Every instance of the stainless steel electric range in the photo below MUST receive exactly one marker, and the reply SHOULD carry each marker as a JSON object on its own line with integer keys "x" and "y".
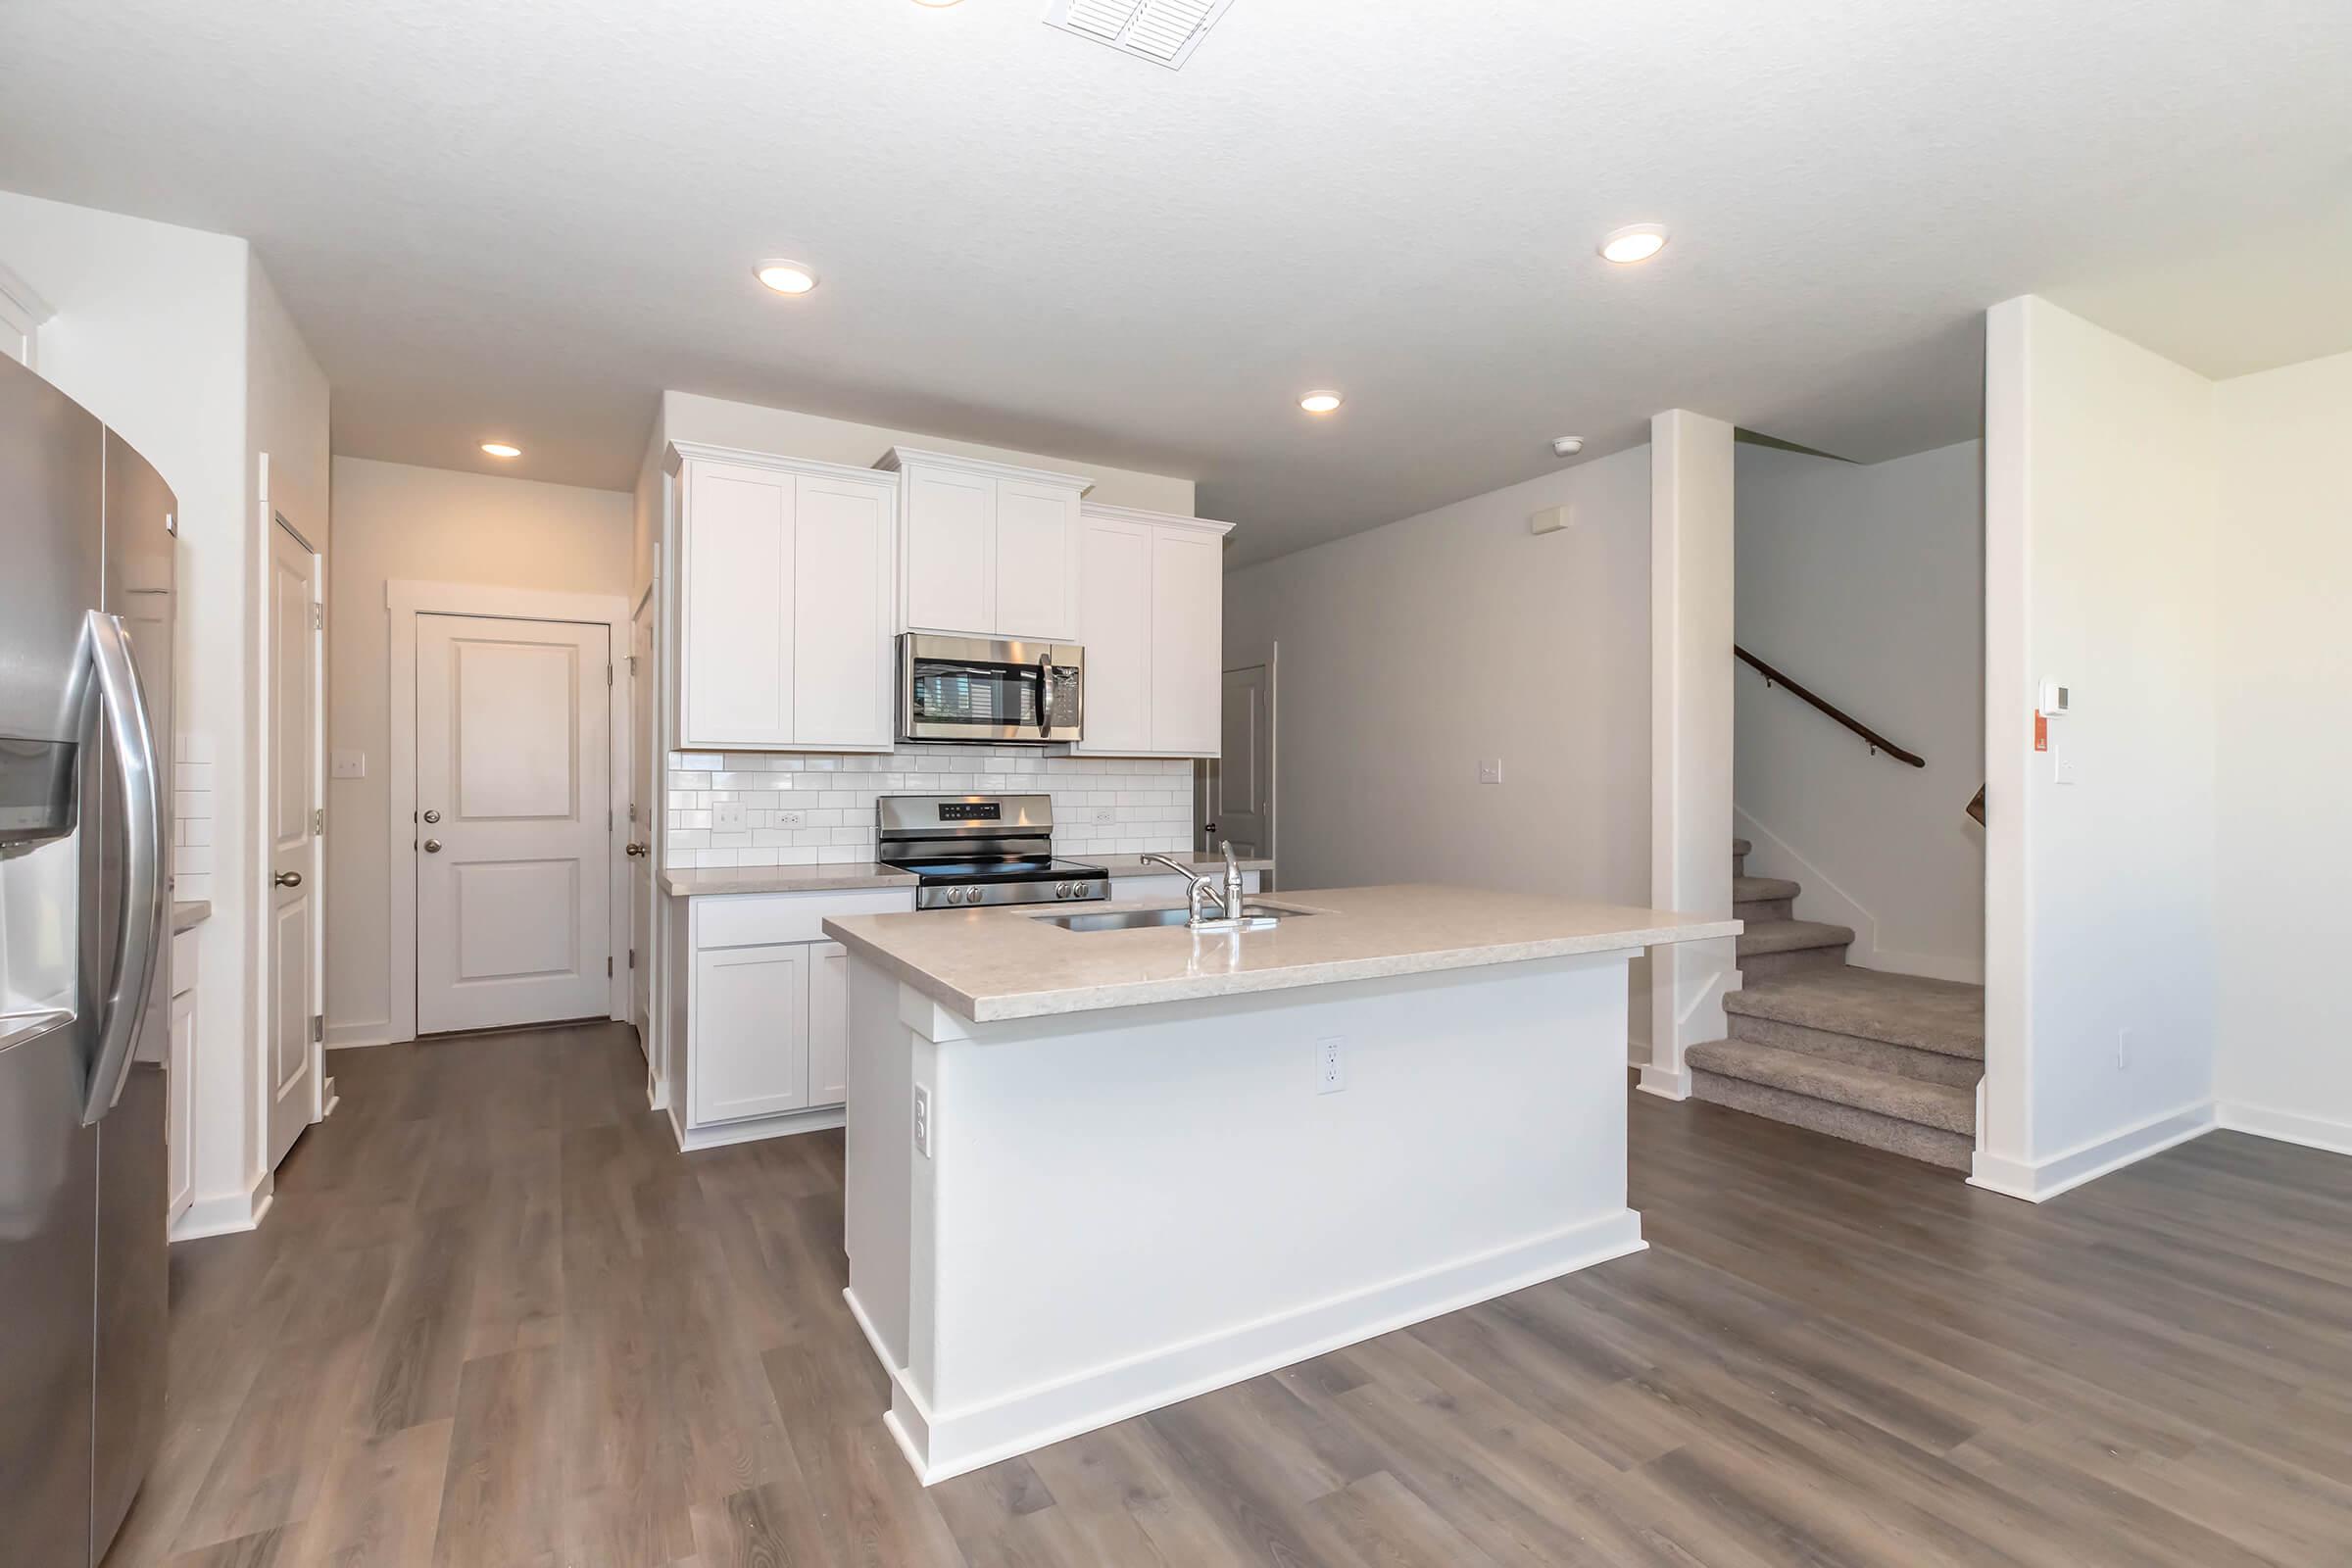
{"x": 980, "y": 849}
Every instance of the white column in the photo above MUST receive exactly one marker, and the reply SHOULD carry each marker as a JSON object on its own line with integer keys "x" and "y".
{"x": 1689, "y": 732}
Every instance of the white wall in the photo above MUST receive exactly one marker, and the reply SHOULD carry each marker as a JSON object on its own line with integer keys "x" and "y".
{"x": 689, "y": 416}
{"x": 2100, "y": 493}
{"x": 174, "y": 337}
{"x": 2283, "y": 570}
{"x": 1411, "y": 652}
{"x": 396, "y": 523}
{"x": 1866, "y": 583}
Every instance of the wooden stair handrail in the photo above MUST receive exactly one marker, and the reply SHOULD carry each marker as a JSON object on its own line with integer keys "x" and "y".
{"x": 1877, "y": 742}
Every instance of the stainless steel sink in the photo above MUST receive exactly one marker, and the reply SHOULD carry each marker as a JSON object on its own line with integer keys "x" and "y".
{"x": 1255, "y": 917}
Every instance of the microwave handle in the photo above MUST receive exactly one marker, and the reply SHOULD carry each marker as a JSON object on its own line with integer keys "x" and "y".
{"x": 1045, "y": 694}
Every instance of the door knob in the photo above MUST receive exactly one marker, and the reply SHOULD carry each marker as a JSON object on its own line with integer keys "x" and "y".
{"x": 432, "y": 846}
{"x": 288, "y": 879}
{"x": 636, "y": 849}
{"x": 432, "y": 816}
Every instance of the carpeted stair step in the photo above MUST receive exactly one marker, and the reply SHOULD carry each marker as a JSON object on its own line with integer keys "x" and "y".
{"x": 1741, "y": 850}
{"x": 1764, "y": 898}
{"x": 1771, "y": 949}
{"x": 1911, "y": 1139}
{"x": 1941, "y": 1016}
{"x": 1883, "y": 1094}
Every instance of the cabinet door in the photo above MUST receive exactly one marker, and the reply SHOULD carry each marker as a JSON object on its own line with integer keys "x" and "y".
{"x": 735, "y": 626}
{"x": 841, "y": 613}
{"x": 750, "y": 1051}
{"x": 1037, "y": 560}
{"x": 828, "y": 1024}
{"x": 179, "y": 1102}
{"x": 1187, "y": 641}
{"x": 1114, "y": 610}
{"x": 949, "y": 544}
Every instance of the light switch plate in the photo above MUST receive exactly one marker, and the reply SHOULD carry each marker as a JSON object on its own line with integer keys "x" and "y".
{"x": 1491, "y": 772}
{"x": 726, "y": 817}
{"x": 348, "y": 765}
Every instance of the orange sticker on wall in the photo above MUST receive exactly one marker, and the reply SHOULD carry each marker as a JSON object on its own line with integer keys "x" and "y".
{"x": 2041, "y": 732}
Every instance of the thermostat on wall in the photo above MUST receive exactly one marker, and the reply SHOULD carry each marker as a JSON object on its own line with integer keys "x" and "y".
{"x": 2053, "y": 700}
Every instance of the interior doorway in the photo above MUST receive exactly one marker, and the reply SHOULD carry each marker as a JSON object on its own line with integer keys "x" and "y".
{"x": 1234, "y": 794}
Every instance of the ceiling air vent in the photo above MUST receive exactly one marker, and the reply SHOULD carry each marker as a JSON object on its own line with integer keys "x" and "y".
{"x": 1163, "y": 31}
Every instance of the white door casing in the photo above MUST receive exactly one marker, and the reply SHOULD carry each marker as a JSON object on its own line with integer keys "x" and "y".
{"x": 291, "y": 898}
{"x": 513, "y": 797}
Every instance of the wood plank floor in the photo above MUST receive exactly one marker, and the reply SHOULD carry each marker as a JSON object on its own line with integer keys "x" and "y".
{"x": 497, "y": 1321}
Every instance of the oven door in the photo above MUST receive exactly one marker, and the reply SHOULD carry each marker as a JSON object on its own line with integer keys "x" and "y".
{"x": 974, "y": 689}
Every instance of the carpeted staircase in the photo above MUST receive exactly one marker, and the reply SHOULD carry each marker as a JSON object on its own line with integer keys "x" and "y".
{"x": 1890, "y": 1060}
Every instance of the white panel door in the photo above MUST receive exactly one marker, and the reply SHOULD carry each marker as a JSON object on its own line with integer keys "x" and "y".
{"x": 1115, "y": 627}
{"x": 750, "y": 1053}
{"x": 951, "y": 551}
{"x": 1037, "y": 561}
{"x": 735, "y": 632}
{"x": 1187, "y": 641}
{"x": 1240, "y": 782}
{"x": 828, "y": 1023}
{"x": 292, "y": 815}
{"x": 840, "y": 624}
{"x": 514, "y": 837}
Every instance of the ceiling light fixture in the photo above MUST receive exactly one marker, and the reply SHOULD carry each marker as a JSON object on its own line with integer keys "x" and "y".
{"x": 501, "y": 448}
{"x": 1636, "y": 243}
{"x": 786, "y": 276}
{"x": 1321, "y": 401}
{"x": 1567, "y": 446}
{"x": 938, "y": 5}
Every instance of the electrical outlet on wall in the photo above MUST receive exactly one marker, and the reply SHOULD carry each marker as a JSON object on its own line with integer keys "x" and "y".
{"x": 1331, "y": 1066}
{"x": 791, "y": 820}
{"x": 1103, "y": 816}
{"x": 1491, "y": 772}
{"x": 923, "y": 1121}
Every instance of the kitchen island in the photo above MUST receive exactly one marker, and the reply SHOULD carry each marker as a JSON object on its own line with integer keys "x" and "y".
{"x": 1090, "y": 1172}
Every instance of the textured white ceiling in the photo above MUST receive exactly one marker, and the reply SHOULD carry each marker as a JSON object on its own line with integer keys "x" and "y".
{"x": 527, "y": 218}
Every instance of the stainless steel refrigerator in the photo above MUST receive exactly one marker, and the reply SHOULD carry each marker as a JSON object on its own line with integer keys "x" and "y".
{"x": 86, "y": 537}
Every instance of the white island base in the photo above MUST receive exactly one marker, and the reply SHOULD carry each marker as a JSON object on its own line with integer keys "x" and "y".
{"x": 1126, "y": 1206}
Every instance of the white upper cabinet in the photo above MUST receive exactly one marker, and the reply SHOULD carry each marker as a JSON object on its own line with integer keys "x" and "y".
{"x": 987, "y": 549}
{"x": 783, "y": 595}
{"x": 1152, "y": 607}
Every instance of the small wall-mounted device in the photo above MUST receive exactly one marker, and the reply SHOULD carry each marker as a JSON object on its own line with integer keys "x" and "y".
{"x": 1567, "y": 446}
{"x": 1551, "y": 519}
{"x": 2052, "y": 701}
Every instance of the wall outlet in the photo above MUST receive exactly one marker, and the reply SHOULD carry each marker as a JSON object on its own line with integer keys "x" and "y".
{"x": 1491, "y": 772}
{"x": 923, "y": 1121}
{"x": 1103, "y": 816}
{"x": 788, "y": 818}
{"x": 1331, "y": 1066}
{"x": 2122, "y": 1050}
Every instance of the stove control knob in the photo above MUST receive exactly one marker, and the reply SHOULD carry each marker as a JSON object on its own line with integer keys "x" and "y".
{"x": 968, "y": 895}
{"x": 955, "y": 896}
{"x": 1061, "y": 890}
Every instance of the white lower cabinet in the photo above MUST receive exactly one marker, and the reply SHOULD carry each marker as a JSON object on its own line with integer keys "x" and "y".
{"x": 766, "y": 1011}
{"x": 751, "y": 1032}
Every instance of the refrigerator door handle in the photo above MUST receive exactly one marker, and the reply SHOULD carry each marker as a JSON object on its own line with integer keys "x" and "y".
{"x": 138, "y": 945}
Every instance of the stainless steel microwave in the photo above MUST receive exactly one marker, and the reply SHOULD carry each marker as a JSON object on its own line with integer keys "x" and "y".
{"x": 974, "y": 689}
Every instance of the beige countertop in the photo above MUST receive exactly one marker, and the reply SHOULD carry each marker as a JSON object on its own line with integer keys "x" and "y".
{"x": 690, "y": 882}
{"x": 188, "y": 913}
{"x": 1000, "y": 963}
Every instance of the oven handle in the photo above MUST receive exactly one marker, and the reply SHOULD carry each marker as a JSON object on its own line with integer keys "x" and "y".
{"x": 1045, "y": 694}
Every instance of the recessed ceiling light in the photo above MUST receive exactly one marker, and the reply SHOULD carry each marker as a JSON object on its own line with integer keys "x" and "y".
{"x": 1636, "y": 242}
{"x": 786, "y": 278}
{"x": 499, "y": 449}
{"x": 938, "y": 5}
{"x": 1321, "y": 401}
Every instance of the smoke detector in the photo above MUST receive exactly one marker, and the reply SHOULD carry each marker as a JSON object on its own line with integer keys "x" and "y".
{"x": 1163, "y": 31}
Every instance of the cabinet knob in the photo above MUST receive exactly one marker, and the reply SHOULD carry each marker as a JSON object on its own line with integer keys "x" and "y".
{"x": 288, "y": 879}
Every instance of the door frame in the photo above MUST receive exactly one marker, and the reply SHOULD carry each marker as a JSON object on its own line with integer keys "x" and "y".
{"x": 407, "y": 600}
{"x": 1268, "y": 653}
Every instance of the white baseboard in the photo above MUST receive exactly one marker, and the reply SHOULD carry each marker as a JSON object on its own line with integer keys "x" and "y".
{"x": 1663, "y": 1082}
{"x": 751, "y": 1132}
{"x": 226, "y": 1213}
{"x": 940, "y": 1444}
{"x": 350, "y": 1036}
{"x": 2287, "y": 1126}
{"x": 2038, "y": 1181}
